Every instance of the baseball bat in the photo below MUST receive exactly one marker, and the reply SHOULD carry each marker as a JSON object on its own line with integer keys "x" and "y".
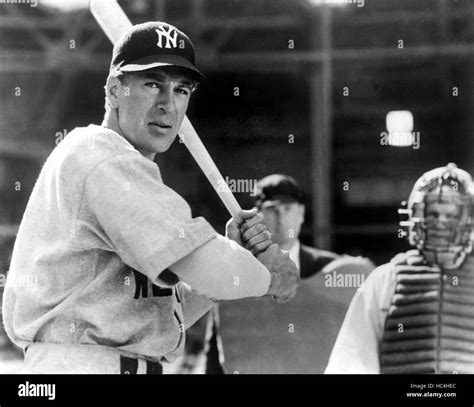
{"x": 114, "y": 22}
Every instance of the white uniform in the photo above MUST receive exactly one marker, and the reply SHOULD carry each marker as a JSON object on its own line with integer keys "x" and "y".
{"x": 356, "y": 350}
{"x": 87, "y": 269}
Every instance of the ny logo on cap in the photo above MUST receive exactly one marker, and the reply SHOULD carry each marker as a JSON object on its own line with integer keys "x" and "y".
{"x": 170, "y": 34}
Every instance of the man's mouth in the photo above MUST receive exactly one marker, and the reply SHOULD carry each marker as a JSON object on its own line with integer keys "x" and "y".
{"x": 439, "y": 238}
{"x": 163, "y": 126}
{"x": 439, "y": 233}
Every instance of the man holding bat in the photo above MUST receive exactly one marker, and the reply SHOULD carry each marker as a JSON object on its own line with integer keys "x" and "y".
{"x": 121, "y": 267}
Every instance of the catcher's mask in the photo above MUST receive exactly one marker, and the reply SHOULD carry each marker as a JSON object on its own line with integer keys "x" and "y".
{"x": 440, "y": 216}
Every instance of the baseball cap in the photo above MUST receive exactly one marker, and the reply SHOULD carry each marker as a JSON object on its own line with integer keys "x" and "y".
{"x": 276, "y": 189}
{"x": 151, "y": 45}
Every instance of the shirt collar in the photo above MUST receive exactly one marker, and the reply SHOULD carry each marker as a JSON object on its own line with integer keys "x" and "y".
{"x": 294, "y": 253}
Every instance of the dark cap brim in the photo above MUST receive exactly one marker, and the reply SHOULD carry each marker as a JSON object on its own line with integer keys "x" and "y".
{"x": 156, "y": 61}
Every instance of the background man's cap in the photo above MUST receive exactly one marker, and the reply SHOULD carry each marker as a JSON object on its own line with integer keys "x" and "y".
{"x": 151, "y": 45}
{"x": 277, "y": 189}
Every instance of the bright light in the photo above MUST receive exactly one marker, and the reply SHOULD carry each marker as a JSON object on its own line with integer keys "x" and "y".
{"x": 65, "y": 5}
{"x": 400, "y": 128}
{"x": 399, "y": 120}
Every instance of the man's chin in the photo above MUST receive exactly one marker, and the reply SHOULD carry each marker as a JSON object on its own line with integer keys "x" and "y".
{"x": 162, "y": 150}
{"x": 162, "y": 144}
{"x": 163, "y": 147}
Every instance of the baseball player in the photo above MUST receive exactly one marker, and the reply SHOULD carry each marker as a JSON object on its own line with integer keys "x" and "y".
{"x": 415, "y": 314}
{"x": 121, "y": 267}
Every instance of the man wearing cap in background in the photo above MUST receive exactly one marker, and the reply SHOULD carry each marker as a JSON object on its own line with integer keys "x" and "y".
{"x": 280, "y": 199}
{"x": 121, "y": 267}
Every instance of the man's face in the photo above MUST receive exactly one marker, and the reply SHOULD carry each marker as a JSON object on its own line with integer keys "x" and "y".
{"x": 151, "y": 107}
{"x": 441, "y": 220}
{"x": 284, "y": 221}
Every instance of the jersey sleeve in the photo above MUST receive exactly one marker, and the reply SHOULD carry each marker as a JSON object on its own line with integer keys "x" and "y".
{"x": 223, "y": 270}
{"x": 137, "y": 216}
{"x": 356, "y": 347}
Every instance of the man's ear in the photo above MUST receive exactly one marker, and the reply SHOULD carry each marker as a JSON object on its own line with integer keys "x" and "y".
{"x": 113, "y": 88}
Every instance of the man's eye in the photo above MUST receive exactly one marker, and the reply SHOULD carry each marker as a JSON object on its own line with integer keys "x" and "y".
{"x": 183, "y": 91}
{"x": 154, "y": 85}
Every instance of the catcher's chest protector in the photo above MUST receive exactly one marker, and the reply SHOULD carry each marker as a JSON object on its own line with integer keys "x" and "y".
{"x": 430, "y": 323}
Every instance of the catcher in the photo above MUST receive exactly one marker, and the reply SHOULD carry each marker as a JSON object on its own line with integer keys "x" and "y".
{"x": 416, "y": 313}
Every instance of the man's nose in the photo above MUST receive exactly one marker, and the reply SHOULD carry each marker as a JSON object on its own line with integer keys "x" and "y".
{"x": 280, "y": 214}
{"x": 442, "y": 220}
{"x": 280, "y": 210}
{"x": 165, "y": 100}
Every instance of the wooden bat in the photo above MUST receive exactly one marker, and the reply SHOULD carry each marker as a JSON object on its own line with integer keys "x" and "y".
{"x": 114, "y": 22}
